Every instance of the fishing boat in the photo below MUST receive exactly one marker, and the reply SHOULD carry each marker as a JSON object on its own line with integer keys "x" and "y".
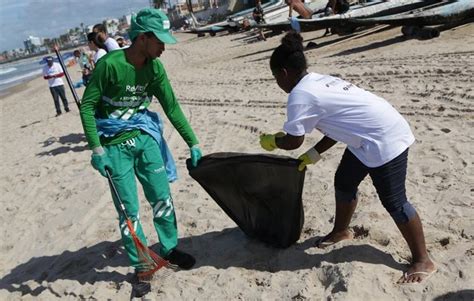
{"x": 363, "y": 10}
{"x": 231, "y": 24}
{"x": 280, "y": 14}
{"x": 440, "y": 13}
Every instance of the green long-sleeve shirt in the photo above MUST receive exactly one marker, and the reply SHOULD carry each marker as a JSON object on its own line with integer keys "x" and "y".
{"x": 118, "y": 90}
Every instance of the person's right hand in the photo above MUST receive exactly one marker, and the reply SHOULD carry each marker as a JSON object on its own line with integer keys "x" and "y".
{"x": 196, "y": 155}
{"x": 100, "y": 161}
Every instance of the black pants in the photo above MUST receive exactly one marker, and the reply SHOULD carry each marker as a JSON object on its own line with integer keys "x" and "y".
{"x": 57, "y": 92}
{"x": 388, "y": 179}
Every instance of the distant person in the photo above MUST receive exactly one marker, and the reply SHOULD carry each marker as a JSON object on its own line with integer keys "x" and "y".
{"x": 121, "y": 41}
{"x": 96, "y": 45}
{"x": 257, "y": 15}
{"x": 53, "y": 73}
{"x": 246, "y": 24}
{"x": 335, "y": 7}
{"x": 110, "y": 44}
{"x": 85, "y": 63}
{"x": 300, "y": 8}
{"x": 377, "y": 140}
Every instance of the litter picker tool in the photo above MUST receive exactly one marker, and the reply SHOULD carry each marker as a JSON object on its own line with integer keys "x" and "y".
{"x": 150, "y": 261}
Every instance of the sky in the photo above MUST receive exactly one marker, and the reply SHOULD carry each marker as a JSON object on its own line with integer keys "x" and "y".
{"x": 51, "y": 18}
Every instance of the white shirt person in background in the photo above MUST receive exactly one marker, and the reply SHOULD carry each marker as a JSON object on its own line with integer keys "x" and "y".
{"x": 110, "y": 44}
{"x": 53, "y": 73}
{"x": 96, "y": 45}
{"x": 122, "y": 42}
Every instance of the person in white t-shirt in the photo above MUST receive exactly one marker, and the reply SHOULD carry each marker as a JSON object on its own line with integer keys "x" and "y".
{"x": 53, "y": 72}
{"x": 377, "y": 139}
{"x": 96, "y": 45}
{"x": 109, "y": 43}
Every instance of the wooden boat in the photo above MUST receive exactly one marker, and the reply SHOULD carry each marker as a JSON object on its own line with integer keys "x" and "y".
{"x": 230, "y": 24}
{"x": 366, "y": 10}
{"x": 281, "y": 14}
{"x": 440, "y": 13}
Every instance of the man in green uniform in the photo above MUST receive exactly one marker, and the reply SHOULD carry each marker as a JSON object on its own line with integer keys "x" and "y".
{"x": 126, "y": 138}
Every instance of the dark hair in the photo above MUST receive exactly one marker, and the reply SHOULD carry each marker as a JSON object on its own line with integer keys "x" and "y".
{"x": 94, "y": 38}
{"x": 149, "y": 34}
{"x": 100, "y": 27}
{"x": 289, "y": 54}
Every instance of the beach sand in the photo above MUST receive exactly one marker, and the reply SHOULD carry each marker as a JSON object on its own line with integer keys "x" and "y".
{"x": 59, "y": 230}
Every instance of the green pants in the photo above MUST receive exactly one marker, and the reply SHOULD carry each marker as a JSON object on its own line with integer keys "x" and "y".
{"x": 140, "y": 157}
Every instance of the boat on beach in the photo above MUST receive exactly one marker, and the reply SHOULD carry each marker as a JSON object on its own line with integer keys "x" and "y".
{"x": 364, "y": 10}
{"x": 437, "y": 14}
{"x": 280, "y": 14}
{"x": 232, "y": 23}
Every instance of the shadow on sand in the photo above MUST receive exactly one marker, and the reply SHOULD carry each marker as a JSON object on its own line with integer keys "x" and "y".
{"x": 230, "y": 248}
{"x": 66, "y": 145}
{"x": 462, "y": 295}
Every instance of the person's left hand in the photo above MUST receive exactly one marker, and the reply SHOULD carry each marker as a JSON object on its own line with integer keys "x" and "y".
{"x": 267, "y": 141}
{"x": 310, "y": 157}
{"x": 196, "y": 155}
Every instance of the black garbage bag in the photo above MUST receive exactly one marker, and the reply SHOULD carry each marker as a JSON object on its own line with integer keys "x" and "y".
{"x": 260, "y": 193}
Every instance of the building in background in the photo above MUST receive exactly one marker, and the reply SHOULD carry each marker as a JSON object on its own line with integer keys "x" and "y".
{"x": 33, "y": 44}
{"x": 112, "y": 26}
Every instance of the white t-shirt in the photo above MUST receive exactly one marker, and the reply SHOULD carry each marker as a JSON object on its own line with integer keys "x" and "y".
{"x": 111, "y": 44}
{"x": 53, "y": 70}
{"x": 372, "y": 129}
{"x": 98, "y": 54}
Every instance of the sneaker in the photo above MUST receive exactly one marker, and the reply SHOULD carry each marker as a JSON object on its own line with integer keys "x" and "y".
{"x": 181, "y": 259}
{"x": 140, "y": 286}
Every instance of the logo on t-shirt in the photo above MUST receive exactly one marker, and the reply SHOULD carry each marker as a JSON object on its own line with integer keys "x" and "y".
{"x": 135, "y": 89}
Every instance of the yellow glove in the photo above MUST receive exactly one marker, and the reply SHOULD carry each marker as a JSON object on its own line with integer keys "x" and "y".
{"x": 310, "y": 157}
{"x": 267, "y": 141}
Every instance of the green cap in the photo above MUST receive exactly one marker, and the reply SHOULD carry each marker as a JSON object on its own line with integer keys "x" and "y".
{"x": 152, "y": 20}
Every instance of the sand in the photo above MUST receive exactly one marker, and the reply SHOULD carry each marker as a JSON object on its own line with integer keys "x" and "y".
{"x": 60, "y": 238}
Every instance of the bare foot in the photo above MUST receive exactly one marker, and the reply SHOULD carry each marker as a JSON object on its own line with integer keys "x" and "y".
{"x": 333, "y": 238}
{"x": 418, "y": 272}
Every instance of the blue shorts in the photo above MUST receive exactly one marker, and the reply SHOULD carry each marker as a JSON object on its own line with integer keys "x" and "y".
{"x": 388, "y": 179}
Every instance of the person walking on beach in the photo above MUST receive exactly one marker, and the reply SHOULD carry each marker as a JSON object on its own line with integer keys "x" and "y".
{"x": 53, "y": 72}
{"x": 377, "y": 139}
{"x": 103, "y": 37}
{"x": 126, "y": 138}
